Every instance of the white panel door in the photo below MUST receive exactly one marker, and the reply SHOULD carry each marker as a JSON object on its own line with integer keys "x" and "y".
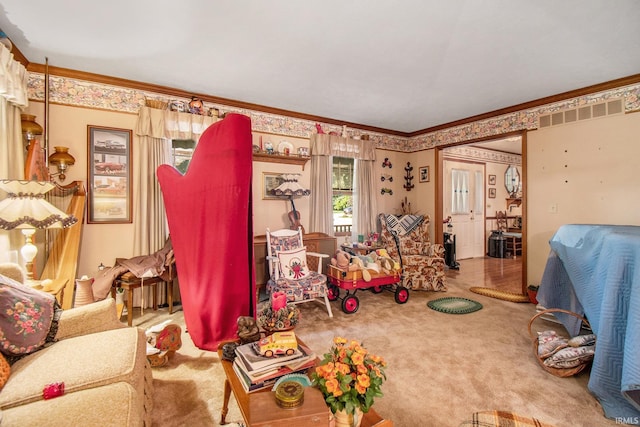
{"x": 464, "y": 202}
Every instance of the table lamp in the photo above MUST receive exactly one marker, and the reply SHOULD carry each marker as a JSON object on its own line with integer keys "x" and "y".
{"x": 26, "y": 209}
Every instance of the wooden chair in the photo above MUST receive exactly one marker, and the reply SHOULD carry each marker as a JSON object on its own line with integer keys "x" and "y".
{"x": 513, "y": 239}
{"x": 290, "y": 269}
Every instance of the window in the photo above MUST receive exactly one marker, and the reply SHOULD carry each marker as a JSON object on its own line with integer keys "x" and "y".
{"x": 459, "y": 191}
{"x": 181, "y": 153}
{"x": 342, "y": 185}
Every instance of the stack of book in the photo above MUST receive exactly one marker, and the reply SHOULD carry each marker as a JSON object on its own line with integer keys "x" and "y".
{"x": 257, "y": 372}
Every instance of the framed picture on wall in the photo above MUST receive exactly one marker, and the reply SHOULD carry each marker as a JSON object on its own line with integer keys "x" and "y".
{"x": 270, "y": 181}
{"x": 109, "y": 175}
{"x": 492, "y": 180}
{"x": 492, "y": 193}
{"x": 423, "y": 172}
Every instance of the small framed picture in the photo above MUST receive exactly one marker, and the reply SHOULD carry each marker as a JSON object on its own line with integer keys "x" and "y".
{"x": 492, "y": 193}
{"x": 424, "y": 173}
{"x": 492, "y": 180}
{"x": 109, "y": 175}
{"x": 270, "y": 181}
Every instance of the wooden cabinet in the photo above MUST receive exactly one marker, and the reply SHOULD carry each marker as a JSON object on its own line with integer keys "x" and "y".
{"x": 315, "y": 242}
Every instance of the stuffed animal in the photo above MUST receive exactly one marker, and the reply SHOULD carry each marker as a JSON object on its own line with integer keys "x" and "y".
{"x": 387, "y": 264}
{"x": 345, "y": 261}
{"x": 341, "y": 259}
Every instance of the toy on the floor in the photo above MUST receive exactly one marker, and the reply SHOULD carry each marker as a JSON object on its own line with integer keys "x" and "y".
{"x": 376, "y": 271}
{"x": 163, "y": 340}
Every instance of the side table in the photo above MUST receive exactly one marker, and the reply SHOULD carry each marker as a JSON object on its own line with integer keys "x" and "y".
{"x": 259, "y": 408}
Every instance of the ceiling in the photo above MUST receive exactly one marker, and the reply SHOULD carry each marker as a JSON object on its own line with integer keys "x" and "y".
{"x": 399, "y": 66}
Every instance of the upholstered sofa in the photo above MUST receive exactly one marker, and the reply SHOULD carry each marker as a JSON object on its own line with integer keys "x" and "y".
{"x": 406, "y": 239}
{"x": 103, "y": 365}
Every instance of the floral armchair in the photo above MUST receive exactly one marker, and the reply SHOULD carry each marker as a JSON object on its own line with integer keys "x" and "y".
{"x": 406, "y": 239}
{"x": 291, "y": 269}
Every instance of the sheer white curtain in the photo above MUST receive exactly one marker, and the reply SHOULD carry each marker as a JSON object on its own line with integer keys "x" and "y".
{"x": 323, "y": 148}
{"x": 13, "y": 99}
{"x": 364, "y": 218}
{"x": 154, "y": 130}
{"x": 460, "y": 191}
{"x": 321, "y": 215}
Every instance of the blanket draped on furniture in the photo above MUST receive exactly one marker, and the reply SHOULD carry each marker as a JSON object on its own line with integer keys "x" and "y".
{"x": 210, "y": 221}
{"x": 594, "y": 270}
{"x": 406, "y": 239}
{"x": 153, "y": 265}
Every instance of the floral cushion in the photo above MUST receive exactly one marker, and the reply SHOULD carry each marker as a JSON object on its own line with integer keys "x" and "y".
{"x": 26, "y": 318}
{"x": 570, "y": 357}
{"x": 293, "y": 263}
{"x": 312, "y": 286}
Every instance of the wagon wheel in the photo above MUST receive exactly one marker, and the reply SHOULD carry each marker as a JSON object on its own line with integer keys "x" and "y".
{"x": 268, "y": 353}
{"x": 377, "y": 289}
{"x": 333, "y": 292}
{"x": 350, "y": 304}
{"x": 289, "y": 351}
{"x": 402, "y": 295}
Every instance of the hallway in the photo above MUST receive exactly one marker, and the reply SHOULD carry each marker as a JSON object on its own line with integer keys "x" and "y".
{"x": 504, "y": 274}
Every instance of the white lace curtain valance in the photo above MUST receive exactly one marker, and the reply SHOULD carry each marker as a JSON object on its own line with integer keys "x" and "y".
{"x": 13, "y": 79}
{"x": 171, "y": 124}
{"x": 323, "y": 144}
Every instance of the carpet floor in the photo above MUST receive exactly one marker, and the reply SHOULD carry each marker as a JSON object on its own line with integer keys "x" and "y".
{"x": 442, "y": 368}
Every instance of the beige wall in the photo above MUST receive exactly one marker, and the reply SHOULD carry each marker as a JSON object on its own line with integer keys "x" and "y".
{"x": 595, "y": 157}
{"x": 103, "y": 243}
{"x": 68, "y": 127}
{"x": 421, "y": 196}
{"x": 587, "y": 172}
{"x": 271, "y": 213}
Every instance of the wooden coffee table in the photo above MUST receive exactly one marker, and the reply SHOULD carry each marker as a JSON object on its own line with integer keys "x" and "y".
{"x": 259, "y": 408}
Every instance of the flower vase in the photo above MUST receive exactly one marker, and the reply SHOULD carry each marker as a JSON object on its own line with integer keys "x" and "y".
{"x": 342, "y": 419}
{"x": 84, "y": 292}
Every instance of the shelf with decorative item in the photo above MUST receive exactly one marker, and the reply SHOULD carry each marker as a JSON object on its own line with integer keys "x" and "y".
{"x": 291, "y": 159}
{"x": 513, "y": 201}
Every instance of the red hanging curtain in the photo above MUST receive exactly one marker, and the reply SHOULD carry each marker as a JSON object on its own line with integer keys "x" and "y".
{"x": 209, "y": 214}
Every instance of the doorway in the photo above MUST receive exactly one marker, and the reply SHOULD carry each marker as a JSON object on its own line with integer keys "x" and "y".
{"x": 464, "y": 203}
{"x": 494, "y": 150}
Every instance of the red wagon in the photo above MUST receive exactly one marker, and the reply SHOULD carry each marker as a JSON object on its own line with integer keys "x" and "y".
{"x": 351, "y": 281}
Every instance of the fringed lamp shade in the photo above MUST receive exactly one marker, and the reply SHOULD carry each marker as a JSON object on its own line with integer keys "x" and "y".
{"x": 290, "y": 187}
{"x": 25, "y": 207}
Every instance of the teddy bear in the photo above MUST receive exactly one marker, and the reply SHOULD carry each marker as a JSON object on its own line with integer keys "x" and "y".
{"x": 387, "y": 264}
{"x": 345, "y": 261}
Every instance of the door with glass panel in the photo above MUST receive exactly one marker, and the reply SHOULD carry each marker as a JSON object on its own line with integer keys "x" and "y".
{"x": 464, "y": 202}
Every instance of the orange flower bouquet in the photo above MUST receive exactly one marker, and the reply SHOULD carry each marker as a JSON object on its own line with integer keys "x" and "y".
{"x": 349, "y": 377}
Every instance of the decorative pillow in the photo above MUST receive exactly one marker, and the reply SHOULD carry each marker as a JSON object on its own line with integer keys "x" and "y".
{"x": 5, "y": 370}
{"x": 570, "y": 356}
{"x": 293, "y": 263}
{"x": 581, "y": 340}
{"x": 26, "y": 317}
{"x": 286, "y": 243}
{"x": 549, "y": 342}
